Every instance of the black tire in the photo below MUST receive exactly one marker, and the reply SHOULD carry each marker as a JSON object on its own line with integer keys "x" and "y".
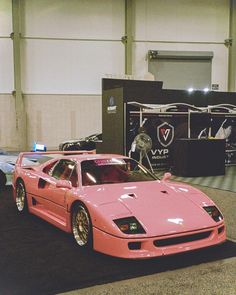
{"x": 21, "y": 197}
{"x": 3, "y": 179}
{"x": 82, "y": 227}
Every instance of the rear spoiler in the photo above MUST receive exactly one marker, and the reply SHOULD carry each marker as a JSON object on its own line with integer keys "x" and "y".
{"x": 33, "y": 157}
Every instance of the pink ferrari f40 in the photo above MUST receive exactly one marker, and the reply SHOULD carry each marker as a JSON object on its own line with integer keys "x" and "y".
{"x": 114, "y": 205}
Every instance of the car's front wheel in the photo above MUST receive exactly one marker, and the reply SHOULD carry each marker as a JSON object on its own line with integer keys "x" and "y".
{"x": 21, "y": 197}
{"x": 82, "y": 226}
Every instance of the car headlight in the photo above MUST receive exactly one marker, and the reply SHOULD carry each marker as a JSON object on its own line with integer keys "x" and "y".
{"x": 214, "y": 213}
{"x": 129, "y": 225}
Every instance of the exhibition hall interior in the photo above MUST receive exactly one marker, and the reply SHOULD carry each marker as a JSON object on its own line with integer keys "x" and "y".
{"x": 118, "y": 147}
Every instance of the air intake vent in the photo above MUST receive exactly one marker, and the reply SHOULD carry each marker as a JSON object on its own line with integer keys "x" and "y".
{"x": 182, "y": 239}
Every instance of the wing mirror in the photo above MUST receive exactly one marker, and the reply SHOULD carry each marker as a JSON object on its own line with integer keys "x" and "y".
{"x": 166, "y": 176}
{"x": 63, "y": 184}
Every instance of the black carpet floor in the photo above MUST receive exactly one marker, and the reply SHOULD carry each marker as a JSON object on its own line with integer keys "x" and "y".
{"x": 37, "y": 258}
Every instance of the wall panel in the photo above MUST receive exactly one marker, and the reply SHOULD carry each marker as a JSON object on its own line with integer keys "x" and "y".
{"x": 103, "y": 19}
{"x": 69, "y": 66}
{"x": 6, "y": 66}
{"x": 182, "y": 20}
{"x": 5, "y": 17}
{"x": 8, "y": 138}
{"x": 52, "y": 119}
{"x": 6, "y": 58}
{"x": 183, "y": 25}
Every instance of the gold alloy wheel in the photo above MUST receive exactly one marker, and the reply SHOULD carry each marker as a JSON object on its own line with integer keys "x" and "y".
{"x": 81, "y": 226}
{"x": 20, "y": 196}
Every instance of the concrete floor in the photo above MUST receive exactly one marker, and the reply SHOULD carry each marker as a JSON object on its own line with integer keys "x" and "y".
{"x": 215, "y": 278}
{"x": 211, "y": 278}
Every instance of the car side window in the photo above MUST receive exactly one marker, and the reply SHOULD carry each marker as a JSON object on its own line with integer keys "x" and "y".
{"x": 49, "y": 168}
{"x": 66, "y": 170}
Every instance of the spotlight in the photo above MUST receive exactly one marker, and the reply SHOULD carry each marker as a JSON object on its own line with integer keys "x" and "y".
{"x": 206, "y": 89}
{"x": 190, "y": 90}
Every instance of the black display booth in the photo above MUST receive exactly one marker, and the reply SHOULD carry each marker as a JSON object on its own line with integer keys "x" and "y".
{"x": 134, "y": 107}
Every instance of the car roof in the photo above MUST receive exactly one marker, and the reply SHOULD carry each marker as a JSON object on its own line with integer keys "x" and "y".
{"x": 83, "y": 157}
{"x": 42, "y": 159}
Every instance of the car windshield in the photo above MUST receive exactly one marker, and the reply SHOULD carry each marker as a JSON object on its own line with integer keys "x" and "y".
{"x": 113, "y": 170}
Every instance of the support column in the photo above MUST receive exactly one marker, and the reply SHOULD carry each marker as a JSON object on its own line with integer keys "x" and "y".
{"x": 128, "y": 39}
{"x": 17, "y": 93}
{"x": 232, "y": 48}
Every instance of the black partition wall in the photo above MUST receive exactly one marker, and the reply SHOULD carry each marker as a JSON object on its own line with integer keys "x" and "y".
{"x": 115, "y": 95}
{"x": 133, "y": 107}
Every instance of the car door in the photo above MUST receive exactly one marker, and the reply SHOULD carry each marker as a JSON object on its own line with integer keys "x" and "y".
{"x": 54, "y": 196}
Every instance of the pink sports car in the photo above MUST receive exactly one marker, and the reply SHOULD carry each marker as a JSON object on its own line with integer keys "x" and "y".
{"x": 115, "y": 205}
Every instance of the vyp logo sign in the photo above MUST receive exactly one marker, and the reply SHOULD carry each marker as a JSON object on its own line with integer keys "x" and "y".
{"x": 165, "y": 134}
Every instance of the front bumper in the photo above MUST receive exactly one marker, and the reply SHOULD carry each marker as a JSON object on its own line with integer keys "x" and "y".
{"x": 150, "y": 247}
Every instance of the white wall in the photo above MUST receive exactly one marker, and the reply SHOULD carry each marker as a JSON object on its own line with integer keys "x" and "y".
{"x": 68, "y": 46}
{"x": 6, "y": 57}
{"x": 54, "y": 118}
{"x": 69, "y": 67}
{"x": 183, "y": 25}
{"x": 89, "y": 19}
{"x": 182, "y": 20}
{"x": 75, "y": 43}
{"x": 7, "y": 102}
{"x": 6, "y": 66}
{"x": 8, "y": 138}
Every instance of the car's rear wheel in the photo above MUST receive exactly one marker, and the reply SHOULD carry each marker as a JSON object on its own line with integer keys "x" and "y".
{"x": 21, "y": 197}
{"x": 82, "y": 226}
{"x": 3, "y": 179}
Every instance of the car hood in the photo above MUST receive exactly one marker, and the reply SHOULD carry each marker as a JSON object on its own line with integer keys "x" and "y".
{"x": 161, "y": 207}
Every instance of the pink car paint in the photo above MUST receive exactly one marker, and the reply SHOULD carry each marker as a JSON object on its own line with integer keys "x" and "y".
{"x": 171, "y": 214}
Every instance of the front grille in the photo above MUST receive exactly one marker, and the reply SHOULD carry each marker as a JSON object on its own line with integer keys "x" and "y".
{"x": 182, "y": 239}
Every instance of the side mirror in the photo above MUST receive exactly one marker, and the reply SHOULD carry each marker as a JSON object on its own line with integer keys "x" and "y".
{"x": 64, "y": 184}
{"x": 166, "y": 176}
